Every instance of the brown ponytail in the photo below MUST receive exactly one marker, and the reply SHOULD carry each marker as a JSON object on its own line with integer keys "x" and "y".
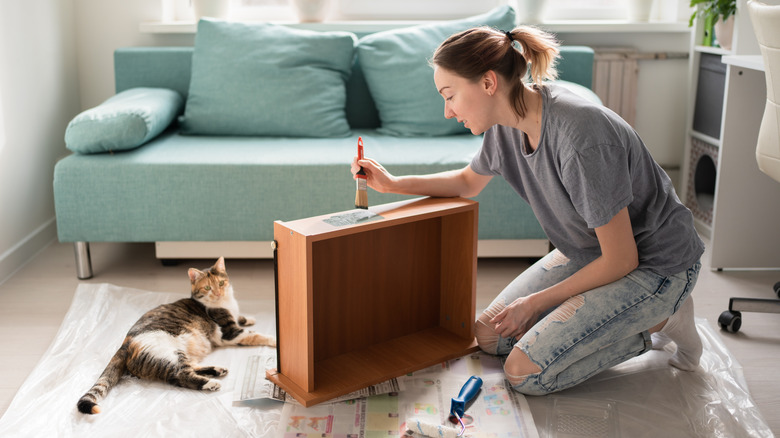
{"x": 472, "y": 53}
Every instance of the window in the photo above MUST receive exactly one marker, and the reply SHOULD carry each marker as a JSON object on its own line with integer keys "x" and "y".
{"x": 265, "y": 10}
{"x": 367, "y": 9}
{"x": 412, "y": 9}
{"x": 555, "y": 10}
{"x": 585, "y": 10}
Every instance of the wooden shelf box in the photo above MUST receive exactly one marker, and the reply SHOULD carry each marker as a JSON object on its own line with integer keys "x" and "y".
{"x": 362, "y": 303}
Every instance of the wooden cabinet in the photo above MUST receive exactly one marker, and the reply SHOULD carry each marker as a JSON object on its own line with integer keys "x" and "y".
{"x": 361, "y": 303}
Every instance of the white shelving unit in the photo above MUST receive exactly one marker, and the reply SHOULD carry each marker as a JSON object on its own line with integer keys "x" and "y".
{"x": 741, "y": 218}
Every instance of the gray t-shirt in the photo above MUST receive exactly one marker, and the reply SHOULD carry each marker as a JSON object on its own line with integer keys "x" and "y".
{"x": 588, "y": 166}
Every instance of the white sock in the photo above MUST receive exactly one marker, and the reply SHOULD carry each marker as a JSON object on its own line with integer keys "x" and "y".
{"x": 659, "y": 340}
{"x": 681, "y": 328}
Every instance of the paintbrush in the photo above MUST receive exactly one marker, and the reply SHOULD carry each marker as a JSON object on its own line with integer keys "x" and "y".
{"x": 361, "y": 194}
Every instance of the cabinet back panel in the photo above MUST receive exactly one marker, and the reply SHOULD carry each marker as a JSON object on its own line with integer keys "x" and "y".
{"x": 374, "y": 286}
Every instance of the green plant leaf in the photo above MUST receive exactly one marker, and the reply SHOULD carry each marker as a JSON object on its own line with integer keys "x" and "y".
{"x": 717, "y": 9}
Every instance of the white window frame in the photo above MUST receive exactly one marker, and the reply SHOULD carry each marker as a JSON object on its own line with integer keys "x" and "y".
{"x": 410, "y": 10}
{"x": 556, "y": 10}
{"x": 279, "y": 11}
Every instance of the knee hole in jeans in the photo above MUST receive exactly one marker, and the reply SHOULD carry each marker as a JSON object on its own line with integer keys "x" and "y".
{"x": 518, "y": 367}
{"x": 487, "y": 338}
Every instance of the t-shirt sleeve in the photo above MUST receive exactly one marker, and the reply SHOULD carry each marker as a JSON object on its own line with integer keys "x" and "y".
{"x": 598, "y": 181}
{"x": 487, "y": 160}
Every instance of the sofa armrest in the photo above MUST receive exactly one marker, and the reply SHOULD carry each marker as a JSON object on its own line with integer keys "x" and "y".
{"x": 124, "y": 121}
{"x": 155, "y": 67}
{"x": 576, "y": 65}
{"x": 580, "y": 90}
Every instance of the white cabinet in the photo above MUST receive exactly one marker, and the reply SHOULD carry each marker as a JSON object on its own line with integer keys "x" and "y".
{"x": 734, "y": 204}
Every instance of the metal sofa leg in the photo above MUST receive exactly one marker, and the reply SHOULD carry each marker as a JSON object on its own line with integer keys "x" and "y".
{"x": 83, "y": 260}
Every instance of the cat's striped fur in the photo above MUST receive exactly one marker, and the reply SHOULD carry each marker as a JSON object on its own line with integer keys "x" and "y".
{"x": 169, "y": 341}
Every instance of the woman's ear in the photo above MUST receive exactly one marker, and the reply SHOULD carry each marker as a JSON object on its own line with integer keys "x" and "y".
{"x": 489, "y": 82}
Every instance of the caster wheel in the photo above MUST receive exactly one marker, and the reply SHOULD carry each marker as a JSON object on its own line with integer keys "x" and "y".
{"x": 776, "y": 287}
{"x": 730, "y": 321}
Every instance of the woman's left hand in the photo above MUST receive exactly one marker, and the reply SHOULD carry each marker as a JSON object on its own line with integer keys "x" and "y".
{"x": 516, "y": 318}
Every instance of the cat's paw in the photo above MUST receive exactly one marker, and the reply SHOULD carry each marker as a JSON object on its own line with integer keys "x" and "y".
{"x": 212, "y": 385}
{"x": 246, "y": 321}
{"x": 211, "y": 371}
{"x": 253, "y": 338}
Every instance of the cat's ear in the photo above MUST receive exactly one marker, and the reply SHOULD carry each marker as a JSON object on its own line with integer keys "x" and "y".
{"x": 194, "y": 274}
{"x": 220, "y": 265}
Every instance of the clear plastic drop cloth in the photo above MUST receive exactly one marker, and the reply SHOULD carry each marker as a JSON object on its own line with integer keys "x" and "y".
{"x": 646, "y": 397}
{"x": 643, "y": 397}
{"x": 91, "y": 332}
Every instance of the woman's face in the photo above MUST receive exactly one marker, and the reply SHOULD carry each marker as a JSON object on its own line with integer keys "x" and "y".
{"x": 464, "y": 100}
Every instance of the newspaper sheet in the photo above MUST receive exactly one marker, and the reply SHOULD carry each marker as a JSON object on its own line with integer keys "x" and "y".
{"x": 497, "y": 411}
{"x": 254, "y": 386}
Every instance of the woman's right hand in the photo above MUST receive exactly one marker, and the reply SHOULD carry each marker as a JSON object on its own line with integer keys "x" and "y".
{"x": 377, "y": 177}
{"x": 458, "y": 182}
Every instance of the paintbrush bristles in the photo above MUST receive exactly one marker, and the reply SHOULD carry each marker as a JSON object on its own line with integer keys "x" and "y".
{"x": 361, "y": 194}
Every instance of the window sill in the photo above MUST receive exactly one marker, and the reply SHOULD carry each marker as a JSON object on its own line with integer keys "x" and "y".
{"x": 583, "y": 26}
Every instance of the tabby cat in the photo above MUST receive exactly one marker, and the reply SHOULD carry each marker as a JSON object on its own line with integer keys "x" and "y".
{"x": 169, "y": 341}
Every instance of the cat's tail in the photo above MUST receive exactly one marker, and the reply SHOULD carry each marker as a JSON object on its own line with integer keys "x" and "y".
{"x": 88, "y": 403}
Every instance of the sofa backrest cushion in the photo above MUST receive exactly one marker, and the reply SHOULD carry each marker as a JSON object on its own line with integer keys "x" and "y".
{"x": 396, "y": 66}
{"x": 169, "y": 67}
{"x": 263, "y": 79}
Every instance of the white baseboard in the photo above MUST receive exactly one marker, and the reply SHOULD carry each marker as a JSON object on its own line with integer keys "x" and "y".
{"x": 262, "y": 250}
{"x": 26, "y": 249}
{"x": 213, "y": 250}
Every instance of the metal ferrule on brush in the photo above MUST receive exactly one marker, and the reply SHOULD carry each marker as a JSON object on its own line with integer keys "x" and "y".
{"x": 361, "y": 180}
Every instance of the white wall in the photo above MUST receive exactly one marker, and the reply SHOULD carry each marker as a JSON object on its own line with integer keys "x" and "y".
{"x": 103, "y": 26}
{"x": 56, "y": 59}
{"x": 38, "y": 96}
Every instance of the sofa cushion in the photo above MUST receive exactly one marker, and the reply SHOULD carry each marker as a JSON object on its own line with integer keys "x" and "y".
{"x": 397, "y": 70}
{"x": 268, "y": 80}
{"x": 580, "y": 90}
{"x": 124, "y": 121}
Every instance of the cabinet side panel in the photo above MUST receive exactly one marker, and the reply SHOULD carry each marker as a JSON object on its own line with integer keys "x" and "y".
{"x": 295, "y": 317}
{"x": 459, "y": 273}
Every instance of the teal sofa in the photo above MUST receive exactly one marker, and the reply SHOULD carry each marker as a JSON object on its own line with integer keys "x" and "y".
{"x": 224, "y": 189}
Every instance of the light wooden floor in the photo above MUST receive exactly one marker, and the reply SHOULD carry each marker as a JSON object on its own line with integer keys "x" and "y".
{"x": 34, "y": 301}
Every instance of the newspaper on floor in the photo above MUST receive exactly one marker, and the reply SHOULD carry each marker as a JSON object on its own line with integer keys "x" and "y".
{"x": 496, "y": 412}
{"x": 254, "y": 386}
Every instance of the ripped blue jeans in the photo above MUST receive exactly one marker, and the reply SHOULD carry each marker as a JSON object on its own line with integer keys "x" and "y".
{"x": 589, "y": 332}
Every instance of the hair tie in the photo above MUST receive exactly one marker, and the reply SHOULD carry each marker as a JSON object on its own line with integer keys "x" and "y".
{"x": 509, "y": 35}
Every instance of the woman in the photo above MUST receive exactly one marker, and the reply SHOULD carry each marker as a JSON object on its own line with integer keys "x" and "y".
{"x": 627, "y": 255}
